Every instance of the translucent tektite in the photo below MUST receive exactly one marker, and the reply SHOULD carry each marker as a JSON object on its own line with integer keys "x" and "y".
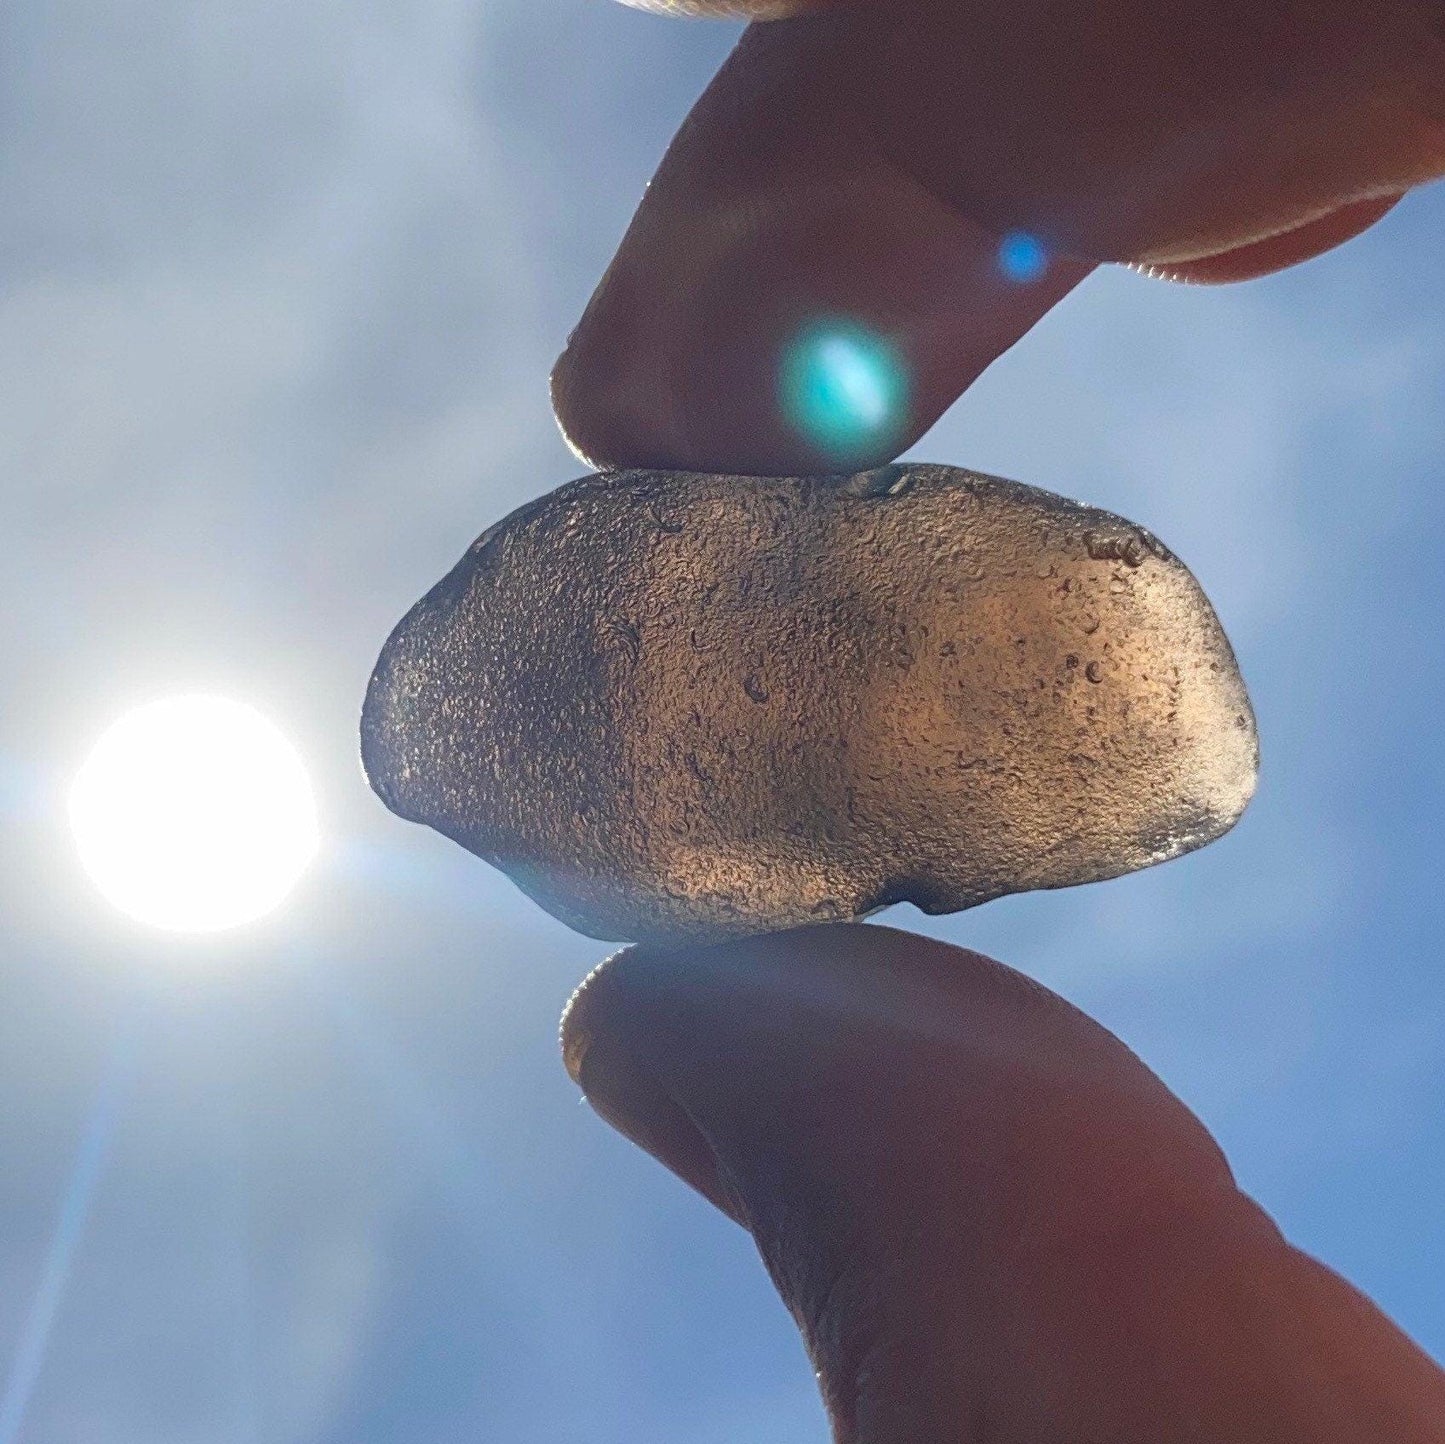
{"x": 686, "y": 707}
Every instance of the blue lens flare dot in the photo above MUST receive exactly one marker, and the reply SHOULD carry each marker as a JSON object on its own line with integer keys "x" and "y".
{"x": 1022, "y": 257}
{"x": 845, "y": 390}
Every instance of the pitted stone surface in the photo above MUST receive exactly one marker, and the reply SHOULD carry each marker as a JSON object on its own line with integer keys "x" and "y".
{"x": 678, "y": 706}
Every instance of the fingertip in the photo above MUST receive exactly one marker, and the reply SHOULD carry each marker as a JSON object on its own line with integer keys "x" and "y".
{"x": 863, "y": 1041}
{"x": 611, "y": 397}
{"x": 786, "y": 300}
{"x": 616, "y": 1078}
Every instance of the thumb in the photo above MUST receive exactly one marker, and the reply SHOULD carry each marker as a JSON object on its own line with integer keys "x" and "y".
{"x": 989, "y": 1219}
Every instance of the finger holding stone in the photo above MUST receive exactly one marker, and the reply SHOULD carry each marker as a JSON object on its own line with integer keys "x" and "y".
{"x": 786, "y": 299}
{"x": 908, "y": 188}
{"x": 990, "y": 1220}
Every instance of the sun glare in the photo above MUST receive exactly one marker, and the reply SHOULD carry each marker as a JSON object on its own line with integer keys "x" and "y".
{"x": 194, "y": 814}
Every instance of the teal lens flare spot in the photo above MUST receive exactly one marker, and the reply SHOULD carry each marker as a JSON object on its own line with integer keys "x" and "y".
{"x": 1022, "y": 258}
{"x": 844, "y": 390}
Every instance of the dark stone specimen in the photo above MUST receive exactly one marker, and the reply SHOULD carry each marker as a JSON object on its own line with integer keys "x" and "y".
{"x": 679, "y": 706}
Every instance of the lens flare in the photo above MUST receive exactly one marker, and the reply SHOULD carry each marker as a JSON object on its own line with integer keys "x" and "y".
{"x": 844, "y": 389}
{"x": 1022, "y": 257}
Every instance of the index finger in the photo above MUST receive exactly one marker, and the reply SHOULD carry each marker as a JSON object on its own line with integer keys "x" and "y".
{"x": 990, "y": 1220}
{"x": 775, "y": 229}
{"x": 871, "y": 203}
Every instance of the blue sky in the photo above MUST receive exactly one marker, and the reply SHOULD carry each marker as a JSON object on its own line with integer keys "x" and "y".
{"x": 280, "y": 288}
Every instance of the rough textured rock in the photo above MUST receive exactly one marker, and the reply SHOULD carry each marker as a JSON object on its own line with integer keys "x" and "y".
{"x": 690, "y": 706}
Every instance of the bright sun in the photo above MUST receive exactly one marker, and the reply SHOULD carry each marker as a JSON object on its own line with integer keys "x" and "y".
{"x": 194, "y": 814}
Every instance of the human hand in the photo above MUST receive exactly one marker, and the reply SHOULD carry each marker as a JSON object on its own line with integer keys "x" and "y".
{"x": 865, "y": 160}
{"x": 991, "y": 1222}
